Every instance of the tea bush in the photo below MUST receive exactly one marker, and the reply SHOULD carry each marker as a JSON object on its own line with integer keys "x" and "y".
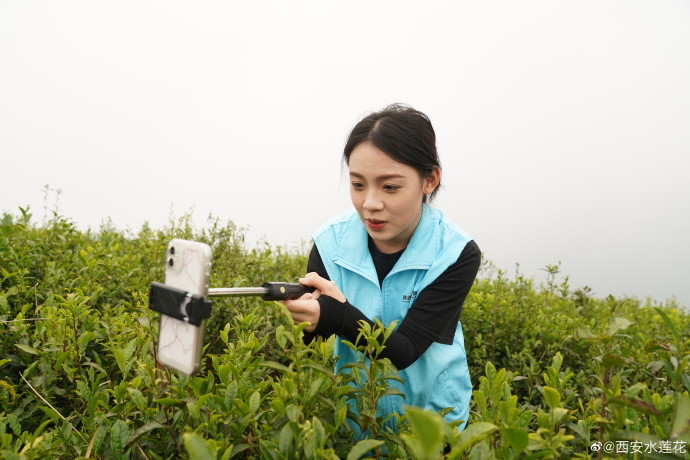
{"x": 557, "y": 373}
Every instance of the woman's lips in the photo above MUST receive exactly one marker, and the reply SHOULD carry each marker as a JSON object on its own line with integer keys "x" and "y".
{"x": 376, "y": 224}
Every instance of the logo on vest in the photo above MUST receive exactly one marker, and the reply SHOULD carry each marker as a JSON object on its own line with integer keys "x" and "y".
{"x": 408, "y": 298}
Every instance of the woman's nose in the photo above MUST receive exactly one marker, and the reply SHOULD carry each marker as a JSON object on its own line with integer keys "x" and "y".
{"x": 372, "y": 202}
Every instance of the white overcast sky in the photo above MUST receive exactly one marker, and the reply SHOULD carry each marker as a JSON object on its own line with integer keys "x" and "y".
{"x": 563, "y": 126}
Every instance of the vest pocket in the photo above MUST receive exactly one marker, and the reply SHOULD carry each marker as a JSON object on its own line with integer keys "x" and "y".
{"x": 447, "y": 394}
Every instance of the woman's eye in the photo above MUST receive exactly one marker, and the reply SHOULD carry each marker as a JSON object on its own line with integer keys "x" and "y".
{"x": 391, "y": 188}
{"x": 357, "y": 185}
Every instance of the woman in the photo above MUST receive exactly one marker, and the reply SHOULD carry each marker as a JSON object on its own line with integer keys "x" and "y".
{"x": 395, "y": 258}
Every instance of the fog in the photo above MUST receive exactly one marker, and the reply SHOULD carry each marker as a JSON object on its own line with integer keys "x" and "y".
{"x": 562, "y": 126}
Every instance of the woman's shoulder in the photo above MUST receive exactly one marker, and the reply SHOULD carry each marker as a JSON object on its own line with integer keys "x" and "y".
{"x": 447, "y": 228}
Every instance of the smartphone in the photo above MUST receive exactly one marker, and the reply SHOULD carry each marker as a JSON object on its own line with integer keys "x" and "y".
{"x": 187, "y": 267}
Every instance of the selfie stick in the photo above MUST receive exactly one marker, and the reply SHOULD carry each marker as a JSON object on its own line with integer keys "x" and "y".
{"x": 193, "y": 309}
{"x": 267, "y": 291}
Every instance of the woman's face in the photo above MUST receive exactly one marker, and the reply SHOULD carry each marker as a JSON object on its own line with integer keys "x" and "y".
{"x": 387, "y": 195}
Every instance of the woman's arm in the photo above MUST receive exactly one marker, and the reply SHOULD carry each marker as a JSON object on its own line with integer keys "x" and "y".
{"x": 432, "y": 317}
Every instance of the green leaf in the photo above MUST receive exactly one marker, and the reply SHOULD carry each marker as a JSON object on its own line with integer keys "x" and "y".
{"x": 7, "y": 455}
{"x": 610, "y": 360}
{"x": 474, "y": 432}
{"x": 354, "y": 365}
{"x": 392, "y": 391}
{"x": 557, "y": 361}
{"x": 143, "y": 430}
{"x": 230, "y": 393}
{"x": 481, "y": 451}
{"x": 656, "y": 366}
{"x": 121, "y": 361}
{"x": 427, "y": 426}
{"x": 8, "y": 387}
{"x": 516, "y": 437}
{"x": 119, "y": 437}
{"x": 170, "y": 401}
{"x": 636, "y": 436}
{"x": 552, "y": 397}
{"x": 13, "y": 422}
{"x": 285, "y": 438}
{"x": 340, "y": 415}
{"x": 95, "y": 366}
{"x": 618, "y": 323}
{"x": 681, "y": 419}
{"x": 362, "y": 447}
{"x": 315, "y": 386}
{"x": 98, "y": 438}
{"x": 584, "y": 333}
{"x": 196, "y": 447}
{"x": 275, "y": 365}
{"x": 321, "y": 368}
{"x": 254, "y": 401}
{"x": 85, "y": 338}
{"x": 293, "y": 412}
{"x": 239, "y": 448}
{"x": 638, "y": 405}
{"x": 138, "y": 398}
{"x": 319, "y": 431}
{"x": 281, "y": 339}
{"x": 668, "y": 321}
{"x": 26, "y": 348}
{"x": 557, "y": 415}
{"x": 50, "y": 413}
{"x": 490, "y": 371}
{"x": 685, "y": 380}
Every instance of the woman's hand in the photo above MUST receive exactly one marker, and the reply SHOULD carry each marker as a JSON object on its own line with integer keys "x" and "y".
{"x": 323, "y": 286}
{"x": 307, "y": 308}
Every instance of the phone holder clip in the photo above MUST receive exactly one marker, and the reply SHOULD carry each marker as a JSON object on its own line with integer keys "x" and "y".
{"x": 178, "y": 303}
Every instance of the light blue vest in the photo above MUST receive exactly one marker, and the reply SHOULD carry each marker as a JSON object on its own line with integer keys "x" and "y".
{"x": 440, "y": 377}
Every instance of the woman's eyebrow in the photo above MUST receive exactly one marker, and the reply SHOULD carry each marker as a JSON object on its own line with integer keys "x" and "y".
{"x": 382, "y": 177}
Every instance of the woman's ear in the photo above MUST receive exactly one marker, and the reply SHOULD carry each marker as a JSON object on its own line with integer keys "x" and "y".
{"x": 432, "y": 181}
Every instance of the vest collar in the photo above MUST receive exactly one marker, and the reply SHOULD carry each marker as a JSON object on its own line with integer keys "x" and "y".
{"x": 352, "y": 251}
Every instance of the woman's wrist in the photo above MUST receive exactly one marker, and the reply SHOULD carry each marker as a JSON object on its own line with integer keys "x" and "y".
{"x": 331, "y": 316}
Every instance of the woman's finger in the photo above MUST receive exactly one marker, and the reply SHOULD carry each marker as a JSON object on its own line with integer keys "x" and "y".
{"x": 312, "y": 279}
{"x": 297, "y": 306}
{"x": 304, "y": 311}
{"x": 326, "y": 287}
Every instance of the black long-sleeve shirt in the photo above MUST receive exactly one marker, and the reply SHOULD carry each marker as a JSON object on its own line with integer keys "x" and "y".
{"x": 433, "y": 316}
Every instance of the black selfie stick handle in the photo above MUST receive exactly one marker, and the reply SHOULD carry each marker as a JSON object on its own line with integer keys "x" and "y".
{"x": 285, "y": 291}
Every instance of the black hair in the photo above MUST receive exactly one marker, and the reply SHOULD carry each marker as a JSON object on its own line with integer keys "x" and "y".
{"x": 401, "y": 132}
